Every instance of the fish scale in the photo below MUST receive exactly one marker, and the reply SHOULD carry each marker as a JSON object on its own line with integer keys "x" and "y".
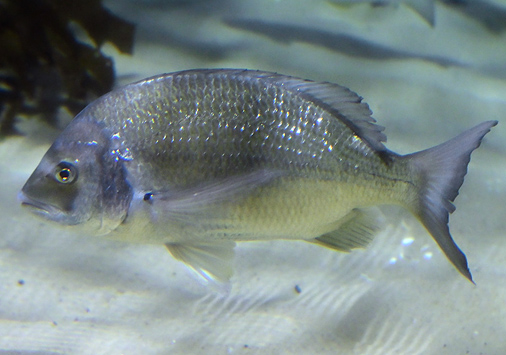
{"x": 278, "y": 139}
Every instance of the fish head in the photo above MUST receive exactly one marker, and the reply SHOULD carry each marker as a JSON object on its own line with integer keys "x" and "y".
{"x": 78, "y": 182}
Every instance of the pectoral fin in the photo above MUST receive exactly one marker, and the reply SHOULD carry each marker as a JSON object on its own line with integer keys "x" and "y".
{"x": 199, "y": 204}
{"x": 357, "y": 230}
{"x": 212, "y": 262}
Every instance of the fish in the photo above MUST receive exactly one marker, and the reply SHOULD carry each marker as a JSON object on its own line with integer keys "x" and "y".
{"x": 488, "y": 14}
{"x": 347, "y": 44}
{"x": 424, "y": 8}
{"x": 199, "y": 160}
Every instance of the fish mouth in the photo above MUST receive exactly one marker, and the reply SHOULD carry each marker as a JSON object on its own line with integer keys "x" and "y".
{"x": 47, "y": 211}
{"x": 39, "y": 208}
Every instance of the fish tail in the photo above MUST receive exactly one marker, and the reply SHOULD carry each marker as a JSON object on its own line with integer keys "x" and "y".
{"x": 439, "y": 172}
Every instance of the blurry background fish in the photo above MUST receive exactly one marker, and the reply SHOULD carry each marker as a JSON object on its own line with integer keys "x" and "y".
{"x": 74, "y": 295}
{"x": 221, "y": 31}
{"x": 488, "y": 13}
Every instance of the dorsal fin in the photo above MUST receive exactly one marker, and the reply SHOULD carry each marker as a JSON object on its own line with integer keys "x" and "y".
{"x": 341, "y": 102}
{"x": 425, "y": 8}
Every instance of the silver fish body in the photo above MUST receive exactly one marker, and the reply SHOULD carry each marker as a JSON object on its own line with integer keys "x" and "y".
{"x": 200, "y": 159}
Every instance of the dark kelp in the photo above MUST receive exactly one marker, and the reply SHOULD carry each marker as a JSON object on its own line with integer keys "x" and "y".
{"x": 44, "y": 66}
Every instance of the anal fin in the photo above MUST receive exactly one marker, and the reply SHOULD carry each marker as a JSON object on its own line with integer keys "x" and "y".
{"x": 356, "y": 230}
{"x": 212, "y": 262}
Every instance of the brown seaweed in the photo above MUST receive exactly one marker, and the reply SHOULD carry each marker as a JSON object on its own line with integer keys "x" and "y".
{"x": 46, "y": 65}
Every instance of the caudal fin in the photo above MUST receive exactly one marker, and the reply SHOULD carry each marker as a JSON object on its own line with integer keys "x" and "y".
{"x": 441, "y": 172}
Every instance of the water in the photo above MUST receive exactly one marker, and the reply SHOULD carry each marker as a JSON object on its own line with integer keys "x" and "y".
{"x": 61, "y": 293}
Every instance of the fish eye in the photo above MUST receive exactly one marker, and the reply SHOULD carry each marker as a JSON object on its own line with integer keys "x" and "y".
{"x": 65, "y": 173}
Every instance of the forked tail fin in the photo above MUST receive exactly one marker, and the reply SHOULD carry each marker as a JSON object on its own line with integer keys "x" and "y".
{"x": 441, "y": 172}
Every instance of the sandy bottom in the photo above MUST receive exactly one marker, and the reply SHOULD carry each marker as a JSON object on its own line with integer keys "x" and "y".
{"x": 66, "y": 294}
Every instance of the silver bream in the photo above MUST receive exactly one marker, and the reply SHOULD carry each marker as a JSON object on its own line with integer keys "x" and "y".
{"x": 200, "y": 159}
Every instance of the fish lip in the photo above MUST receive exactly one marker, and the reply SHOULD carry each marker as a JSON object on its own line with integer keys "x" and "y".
{"x": 37, "y": 207}
{"x": 46, "y": 211}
